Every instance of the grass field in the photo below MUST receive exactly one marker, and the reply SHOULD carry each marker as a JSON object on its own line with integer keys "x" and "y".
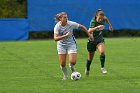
{"x": 33, "y": 67}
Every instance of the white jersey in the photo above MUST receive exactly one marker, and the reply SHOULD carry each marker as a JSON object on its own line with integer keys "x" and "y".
{"x": 62, "y": 30}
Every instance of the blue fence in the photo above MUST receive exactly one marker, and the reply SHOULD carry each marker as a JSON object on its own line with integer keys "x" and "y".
{"x": 14, "y": 29}
{"x": 123, "y": 14}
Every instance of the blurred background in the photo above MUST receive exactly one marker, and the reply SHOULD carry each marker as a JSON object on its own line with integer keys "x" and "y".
{"x": 34, "y": 19}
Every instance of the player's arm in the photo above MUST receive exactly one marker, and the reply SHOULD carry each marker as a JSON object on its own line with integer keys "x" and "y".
{"x": 57, "y": 37}
{"x": 85, "y": 29}
{"x": 90, "y": 30}
{"x": 108, "y": 22}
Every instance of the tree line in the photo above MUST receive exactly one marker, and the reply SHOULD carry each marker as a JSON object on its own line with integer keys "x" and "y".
{"x": 13, "y": 8}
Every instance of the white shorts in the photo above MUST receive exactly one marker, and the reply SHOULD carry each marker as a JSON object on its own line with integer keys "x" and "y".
{"x": 67, "y": 49}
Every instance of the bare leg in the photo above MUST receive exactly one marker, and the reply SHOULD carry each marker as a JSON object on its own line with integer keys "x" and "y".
{"x": 88, "y": 63}
{"x": 62, "y": 60}
{"x": 72, "y": 61}
{"x": 101, "y": 48}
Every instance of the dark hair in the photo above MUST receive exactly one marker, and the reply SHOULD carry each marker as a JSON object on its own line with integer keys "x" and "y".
{"x": 99, "y": 11}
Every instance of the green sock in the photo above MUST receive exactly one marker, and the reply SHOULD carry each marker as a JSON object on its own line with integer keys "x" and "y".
{"x": 102, "y": 59}
{"x": 88, "y": 65}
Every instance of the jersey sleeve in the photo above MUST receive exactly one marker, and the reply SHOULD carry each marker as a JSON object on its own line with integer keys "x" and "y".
{"x": 56, "y": 29}
{"x": 75, "y": 25}
{"x": 92, "y": 24}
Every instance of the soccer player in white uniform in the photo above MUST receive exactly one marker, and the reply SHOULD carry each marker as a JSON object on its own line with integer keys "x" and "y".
{"x": 66, "y": 43}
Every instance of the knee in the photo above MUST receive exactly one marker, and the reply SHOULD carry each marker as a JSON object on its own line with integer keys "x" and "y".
{"x": 63, "y": 64}
{"x": 90, "y": 56}
{"x": 102, "y": 53}
{"x": 90, "y": 59}
{"x": 73, "y": 63}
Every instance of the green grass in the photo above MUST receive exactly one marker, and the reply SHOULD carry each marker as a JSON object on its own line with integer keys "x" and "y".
{"x": 33, "y": 67}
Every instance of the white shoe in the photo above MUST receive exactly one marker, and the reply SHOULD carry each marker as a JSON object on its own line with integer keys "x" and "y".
{"x": 104, "y": 71}
{"x": 87, "y": 72}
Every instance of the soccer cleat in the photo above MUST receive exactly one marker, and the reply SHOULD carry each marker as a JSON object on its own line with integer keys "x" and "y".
{"x": 87, "y": 72}
{"x": 104, "y": 71}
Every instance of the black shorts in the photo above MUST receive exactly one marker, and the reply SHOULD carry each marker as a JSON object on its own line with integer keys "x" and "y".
{"x": 91, "y": 45}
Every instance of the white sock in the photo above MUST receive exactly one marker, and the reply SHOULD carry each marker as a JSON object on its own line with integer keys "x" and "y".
{"x": 64, "y": 70}
{"x": 72, "y": 67}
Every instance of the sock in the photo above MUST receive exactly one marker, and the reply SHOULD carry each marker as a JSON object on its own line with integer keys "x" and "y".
{"x": 88, "y": 65}
{"x": 64, "y": 70}
{"x": 72, "y": 67}
{"x": 102, "y": 59}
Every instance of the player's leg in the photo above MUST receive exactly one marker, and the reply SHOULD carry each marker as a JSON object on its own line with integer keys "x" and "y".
{"x": 72, "y": 61}
{"x": 101, "y": 48}
{"x": 62, "y": 60}
{"x": 72, "y": 52}
{"x": 62, "y": 53}
{"x": 88, "y": 63}
{"x": 91, "y": 47}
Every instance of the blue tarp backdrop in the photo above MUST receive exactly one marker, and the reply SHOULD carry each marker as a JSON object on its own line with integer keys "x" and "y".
{"x": 123, "y": 14}
{"x": 14, "y": 29}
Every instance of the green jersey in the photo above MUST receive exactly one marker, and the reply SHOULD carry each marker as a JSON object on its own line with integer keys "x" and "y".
{"x": 98, "y": 33}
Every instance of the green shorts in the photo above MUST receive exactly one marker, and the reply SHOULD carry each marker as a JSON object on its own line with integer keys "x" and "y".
{"x": 91, "y": 45}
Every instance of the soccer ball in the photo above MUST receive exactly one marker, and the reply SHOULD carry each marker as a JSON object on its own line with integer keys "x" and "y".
{"x": 75, "y": 76}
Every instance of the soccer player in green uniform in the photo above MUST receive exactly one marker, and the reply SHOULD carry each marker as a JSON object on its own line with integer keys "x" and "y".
{"x": 96, "y": 28}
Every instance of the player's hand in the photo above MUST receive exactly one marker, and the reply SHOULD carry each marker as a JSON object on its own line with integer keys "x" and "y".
{"x": 91, "y": 38}
{"x": 111, "y": 28}
{"x": 68, "y": 34}
{"x": 100, "y": 27}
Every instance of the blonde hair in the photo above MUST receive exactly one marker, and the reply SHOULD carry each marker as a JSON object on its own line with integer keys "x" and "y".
{"x": 59, "y": 15}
